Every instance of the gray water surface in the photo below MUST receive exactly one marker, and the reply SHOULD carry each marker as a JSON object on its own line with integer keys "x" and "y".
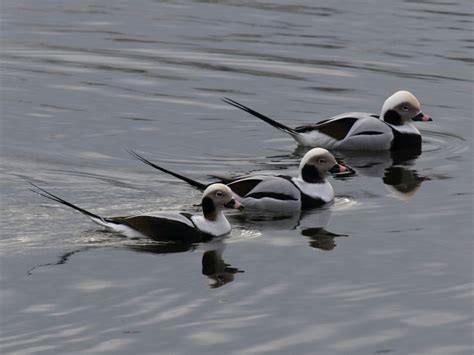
{"x": 388, "y": 269}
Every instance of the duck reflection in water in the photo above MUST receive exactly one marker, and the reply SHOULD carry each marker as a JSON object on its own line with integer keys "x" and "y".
{"x": 311, "y": 224}
{"x": 214, "y": 267}
{"x": 403, "y": 182}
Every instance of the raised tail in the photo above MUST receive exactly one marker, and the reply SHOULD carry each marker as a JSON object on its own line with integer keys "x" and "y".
{"x": 264, "y": 118}
{"x": 96, "y": 218}
{"x": 191, "y": 182}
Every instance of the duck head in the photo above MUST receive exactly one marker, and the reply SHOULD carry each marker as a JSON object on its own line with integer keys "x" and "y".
{"x": 215, "y": 198}
{"x": 317, "y": 164}
{"x": 401, "y": 108}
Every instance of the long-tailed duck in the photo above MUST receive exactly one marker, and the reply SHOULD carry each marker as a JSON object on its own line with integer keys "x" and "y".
{"x": 392, "y": 130}
{"x": 279, "y": 193}
{"x": 169, "y": 226}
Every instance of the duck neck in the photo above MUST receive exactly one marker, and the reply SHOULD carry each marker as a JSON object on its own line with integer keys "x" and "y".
{"x": 314, "y": 194}
{"x": 213, "y": 221}
{"x": 209, "y": 210}
{"x": 311, "y": 175}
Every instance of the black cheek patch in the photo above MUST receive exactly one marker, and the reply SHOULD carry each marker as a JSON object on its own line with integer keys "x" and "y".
{"x": 209, "y": 209}
{"x": 393, "y": 117}
{"x": 311, "y": 174}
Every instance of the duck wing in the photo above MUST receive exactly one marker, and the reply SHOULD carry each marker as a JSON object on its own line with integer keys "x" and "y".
{"x": 338, "y": 127}
{"x": 258, "y": 187}
{"x": 353, "y": 131}
{"x": 174, "y": 227}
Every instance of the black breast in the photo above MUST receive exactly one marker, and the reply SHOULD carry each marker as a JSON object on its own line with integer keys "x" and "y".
{"x": 308, "y": 202}
{"x": 406, "y": 141}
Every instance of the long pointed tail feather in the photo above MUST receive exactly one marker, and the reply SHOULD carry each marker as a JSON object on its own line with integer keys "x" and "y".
{"x": 40, "y": 191}
{"x": 191, "y": 182}
{"x": 264, "y": 118}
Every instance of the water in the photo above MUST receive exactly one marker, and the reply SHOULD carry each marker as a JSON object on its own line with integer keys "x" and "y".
{"x": 387, "y": 270}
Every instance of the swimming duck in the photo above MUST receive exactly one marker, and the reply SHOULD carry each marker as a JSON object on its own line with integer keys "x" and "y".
{"x": 279, "y": 193}
{"x": 392, "y": 130}
{"x": 169, "y": 226}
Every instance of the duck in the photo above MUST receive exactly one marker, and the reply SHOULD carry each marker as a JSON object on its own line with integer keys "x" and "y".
{"x": 279, "y": 194}
{"x": 178, "y": 227}
{"x": 391, "y": 130}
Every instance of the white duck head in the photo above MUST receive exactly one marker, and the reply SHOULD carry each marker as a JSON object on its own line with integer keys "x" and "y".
{"x": 215, "y": 198}
{"x": 401, "y": 108}
{"x": 317, "y": 164}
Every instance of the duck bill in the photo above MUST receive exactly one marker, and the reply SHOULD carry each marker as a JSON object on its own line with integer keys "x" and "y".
{"x": 338, "y": 168}
{"x": 421, "y": 117}
{"x": 234, "y": 204}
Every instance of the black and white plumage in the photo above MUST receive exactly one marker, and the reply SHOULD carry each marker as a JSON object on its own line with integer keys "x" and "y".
{"x": 280, "y": 193}
{"x": 392, "y": 130}
{"x": 169, "y": 226}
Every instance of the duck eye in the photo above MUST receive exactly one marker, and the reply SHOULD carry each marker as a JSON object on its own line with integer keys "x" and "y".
{"x": 219, "y": 193}
{"x": 322, "y": 161}
{"x": 405, "y": 108}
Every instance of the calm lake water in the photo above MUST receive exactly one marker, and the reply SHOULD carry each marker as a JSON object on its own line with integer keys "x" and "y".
{"x": 388, "y": 269}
